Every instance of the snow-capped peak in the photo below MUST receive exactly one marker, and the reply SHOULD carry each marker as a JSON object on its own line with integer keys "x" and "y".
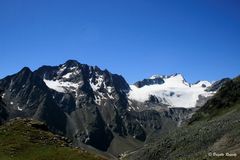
{"x": 175, "y": 91}
{"x": 203, "y": 84}
{"x": 72, "y": 76}
{"x": 176, "y": 80}
{"x": 178, "y": 75}
{"x": 156, "y": 76}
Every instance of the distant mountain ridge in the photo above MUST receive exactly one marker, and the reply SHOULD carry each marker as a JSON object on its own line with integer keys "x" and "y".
{"x": 173, "y": 91}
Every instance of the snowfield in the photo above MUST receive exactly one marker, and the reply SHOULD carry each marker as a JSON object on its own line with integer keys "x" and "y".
{"x": 175, "y": 92}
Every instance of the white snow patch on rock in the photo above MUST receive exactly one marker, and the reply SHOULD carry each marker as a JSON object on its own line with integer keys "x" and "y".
{"x": 67, "y": 75}
{"x": 99, "y": 80}
{"x": 61, "y": 86}
{"x": 20, "y": 109}
{"x": 3, "y": 95}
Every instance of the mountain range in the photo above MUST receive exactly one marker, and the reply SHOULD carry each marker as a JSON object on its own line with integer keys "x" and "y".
{"x": 99, "y": 110}
{"x": 211, "y": 133}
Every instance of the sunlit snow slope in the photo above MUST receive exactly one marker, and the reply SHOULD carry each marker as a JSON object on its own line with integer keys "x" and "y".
{"x": 175, "y": 91}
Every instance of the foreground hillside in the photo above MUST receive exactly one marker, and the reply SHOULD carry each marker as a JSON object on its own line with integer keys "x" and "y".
{"x": 26, "y": 139}
{"x": 212, "y": 133}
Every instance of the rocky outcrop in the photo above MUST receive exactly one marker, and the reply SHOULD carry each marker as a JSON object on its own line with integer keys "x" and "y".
{"x": 157, "y": 80}
{"x": 3, "y": 111}
{"x": 218, "y": 84}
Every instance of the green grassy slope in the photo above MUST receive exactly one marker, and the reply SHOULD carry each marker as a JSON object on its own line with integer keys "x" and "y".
{"x": 29, "y": 140}
{"x": 223, "y": 102}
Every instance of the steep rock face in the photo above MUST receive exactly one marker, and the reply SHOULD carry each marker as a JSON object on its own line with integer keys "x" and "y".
{"x": 151, "y": 81}
{"x": 3, "y": 111}
{"x": 86, "y": 83}
{"x": 152, "y": 122}
{"x": 26, "y": 95}
{"x": 218, "y": 84}
{"x": 153, "y": 99}
{"x": 93, "y": 99}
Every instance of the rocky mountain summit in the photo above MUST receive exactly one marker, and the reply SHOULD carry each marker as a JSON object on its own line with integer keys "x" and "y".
{"x": 172, "y": 91}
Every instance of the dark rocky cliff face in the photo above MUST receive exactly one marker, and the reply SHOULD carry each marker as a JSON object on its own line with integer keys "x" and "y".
{"x": 93, "y": 100}
{"x": 26, "y": 95}
{"x": 3, "y": 111}
{"x": 218, "y": 84}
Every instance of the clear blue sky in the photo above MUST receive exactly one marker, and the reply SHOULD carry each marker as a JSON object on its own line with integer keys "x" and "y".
{"x": 134, "y": 38}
